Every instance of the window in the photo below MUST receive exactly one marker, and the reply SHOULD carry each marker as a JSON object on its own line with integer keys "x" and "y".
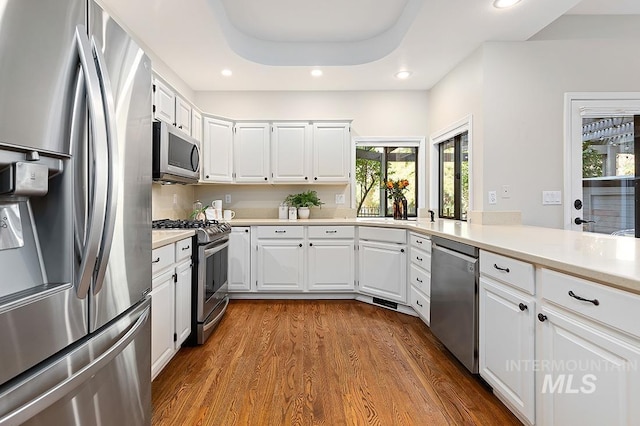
{"x": 377, "y": 163}
{"x": 454, "y": 177}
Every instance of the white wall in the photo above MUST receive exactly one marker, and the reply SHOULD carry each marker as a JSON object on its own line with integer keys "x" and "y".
{"x": 519, "y": 139}
{"x": 457, "y": 95}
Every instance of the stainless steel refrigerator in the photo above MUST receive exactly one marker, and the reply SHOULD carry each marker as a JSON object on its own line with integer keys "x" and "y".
{"x": 75, "y": 217}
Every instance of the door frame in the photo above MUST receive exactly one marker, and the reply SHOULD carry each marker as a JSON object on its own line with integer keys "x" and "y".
{"x": 572, "y": 156}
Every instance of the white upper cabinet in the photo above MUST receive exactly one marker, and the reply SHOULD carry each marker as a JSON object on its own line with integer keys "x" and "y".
{"x": 251, "y": 152}
{"x": 163, "y": 102}
{"x": 196, "y": 125}
{"x": 183, "y": 115}
{"x": 331, "y": 152}
{"x": 291, "y": 152}
{"x": 217, "y": 151}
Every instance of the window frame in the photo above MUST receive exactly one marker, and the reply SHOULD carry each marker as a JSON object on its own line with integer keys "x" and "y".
{"x": 457, "y": 128}
{"x": 391, "y": 142}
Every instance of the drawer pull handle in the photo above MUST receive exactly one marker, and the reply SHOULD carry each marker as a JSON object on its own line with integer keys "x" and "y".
{"x": 523, "y": 307}
{"x": 418, "y": 303}
{"x": 331, "y": 232}
{"x": 594, "y": 301}
{"x": 419, "y": 259}
{"x": 542, "y": 317}
{"x": 281, "y": 232}
{"x": 501, "y": 269}
{"x": 186, "y": 248}
{"x": 418, "y": 279}
{"x": 418, "y": 241}
{"x": 156, "y": 261}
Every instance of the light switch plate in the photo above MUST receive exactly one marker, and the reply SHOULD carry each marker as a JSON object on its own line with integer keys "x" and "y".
{"x": 506, "y": 191}
{"x": 493, "y": 197}
{"x": 551, "y": 198}
{"x": 227, "y": 198}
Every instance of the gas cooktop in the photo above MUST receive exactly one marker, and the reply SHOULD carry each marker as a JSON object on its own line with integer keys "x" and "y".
{"x": 206, "y": 230}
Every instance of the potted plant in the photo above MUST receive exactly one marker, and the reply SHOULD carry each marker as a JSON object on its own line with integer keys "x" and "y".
{"x": 303, "y": 201}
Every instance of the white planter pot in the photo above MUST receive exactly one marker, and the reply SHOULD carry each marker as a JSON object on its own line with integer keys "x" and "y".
{"x": 303, "y": 212}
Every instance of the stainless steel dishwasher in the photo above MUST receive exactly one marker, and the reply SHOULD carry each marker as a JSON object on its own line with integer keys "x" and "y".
{"x": 454, "y": 299}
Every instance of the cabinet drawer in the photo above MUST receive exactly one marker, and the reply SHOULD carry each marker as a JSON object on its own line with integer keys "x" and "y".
{"x": 162, "y": 257}
{"x": 421, "y": 241}
{"x": 420, "y": 303}
{"x": 420, "y": 279}
{"x": 184, "y": 249}
{"x": 421, "y": 258}
{"x": 280, "y": 232}
{"x": 615, "y": 308}
{"x": 510, "y": 271}
{"x": 387, "y": 235}
{"x": 331, "y": 232}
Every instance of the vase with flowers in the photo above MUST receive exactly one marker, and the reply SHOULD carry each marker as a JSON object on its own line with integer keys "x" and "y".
{"x": 395, "y": 191}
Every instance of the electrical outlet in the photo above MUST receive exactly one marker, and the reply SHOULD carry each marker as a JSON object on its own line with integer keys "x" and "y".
{"x": 506, "y": 191}
{"x": 339, "y": 198}
{"x": 227, "y": 198}
{"x": 493, "y": 197}
{"x": 175, "y": 200}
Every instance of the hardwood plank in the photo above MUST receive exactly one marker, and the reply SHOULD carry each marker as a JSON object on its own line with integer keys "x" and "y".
{"x": 338, "y": 362}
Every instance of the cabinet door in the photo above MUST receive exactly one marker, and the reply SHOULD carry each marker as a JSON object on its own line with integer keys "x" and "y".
{"x": 162, "y": 321}
{"x": 331, "y": 149}
{"x": 217, "y": 151}
{"x": 183, "y": 115}
{"x": 383, "y": 270}
{"x": 506, "y": 334}
{"x": 279, "y": 265}
{"x": 291, "y": 152}
{"x": 251, "y": 152}
{"x": 163, "y": 102}
{"x": 239, "y": 259}
{"x": 196, "y": 125}
{"x": 588, "y": 374}
{"x": 331, "y": 265}
{"x": 183, "y": 302}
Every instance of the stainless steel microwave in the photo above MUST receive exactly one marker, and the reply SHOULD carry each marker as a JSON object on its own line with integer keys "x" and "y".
{"x": 176, "y": 156}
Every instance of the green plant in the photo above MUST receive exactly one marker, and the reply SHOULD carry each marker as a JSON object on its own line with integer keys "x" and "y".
{"x": 304, "y": 199}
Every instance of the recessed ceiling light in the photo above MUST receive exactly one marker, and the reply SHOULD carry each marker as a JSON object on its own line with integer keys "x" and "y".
{"x": 502, "y": 4}
{"x": 316, "y": 73}
{"x": 227, "y": 72}
{"x": 402, "y": 75}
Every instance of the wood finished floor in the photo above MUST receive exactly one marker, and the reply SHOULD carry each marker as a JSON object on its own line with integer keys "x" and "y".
{"x": 320, "y": 362}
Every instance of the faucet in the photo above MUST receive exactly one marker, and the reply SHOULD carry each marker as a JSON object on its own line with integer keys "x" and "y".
{"x": 432, "y": 214}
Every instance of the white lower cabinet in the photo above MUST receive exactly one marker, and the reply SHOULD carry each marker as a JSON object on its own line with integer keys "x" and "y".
{"x": 589, "y": 353}
{"x": 240, "y": 259}
{"x": 162, "y": 321}
{"x": 280, "y": 265}
{"x": 382, "y": 270}
{"x": 171, "y": 288}
{"x": 331, "y": 265}
{"x": 506, "y": 339}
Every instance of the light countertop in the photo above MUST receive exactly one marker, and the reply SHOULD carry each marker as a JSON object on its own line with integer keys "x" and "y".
{"x": 610, "y": 260}
{"x": 613, "y": 261}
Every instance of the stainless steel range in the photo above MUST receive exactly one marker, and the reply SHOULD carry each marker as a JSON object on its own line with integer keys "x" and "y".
{"x": 210, "y": 284}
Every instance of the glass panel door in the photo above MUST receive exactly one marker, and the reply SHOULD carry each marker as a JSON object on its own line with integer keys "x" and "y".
{"x": 609, "y": 175}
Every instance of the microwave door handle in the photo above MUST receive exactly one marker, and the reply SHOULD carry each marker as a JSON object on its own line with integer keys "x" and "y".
{"x": 98, "y": 139}
{"x": 195, "y": 165}
{"x": 113, "y": 161}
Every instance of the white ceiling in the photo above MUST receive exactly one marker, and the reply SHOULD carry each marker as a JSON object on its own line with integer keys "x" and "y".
{"x": 192, "y": 38}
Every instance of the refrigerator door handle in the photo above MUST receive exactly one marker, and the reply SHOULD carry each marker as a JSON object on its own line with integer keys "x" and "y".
{"x": 113, "y": 161}
{"x": 37, "y": 405}
{"x": 99, "y": 141}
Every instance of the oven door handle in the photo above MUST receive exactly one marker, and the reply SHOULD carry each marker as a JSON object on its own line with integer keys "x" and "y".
{"x": 216, "y": 249}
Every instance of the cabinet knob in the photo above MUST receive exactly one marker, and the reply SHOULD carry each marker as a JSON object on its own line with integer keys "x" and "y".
{"x": 207, "y": 176}
{"x": 246, "y": 230}
{"x": 266, "y": 179}
{"x": 180, "y": 126}
{"x": 523, "y": 307}
{"x": 310, "y": 244}
{"x": 401, "y": 250}
{"x": 315, "y": 178}
{"x": 542, "y": 317}
{"x": 300, "y": 244}
{"x": 306, "y": 178}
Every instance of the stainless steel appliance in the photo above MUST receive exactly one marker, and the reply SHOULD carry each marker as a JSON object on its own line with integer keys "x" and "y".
{"x": 75, "y": 213}
{"x": 176, "y": 156}
{"x": 210, "y": 295}
{"x": 454, "y": 299}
